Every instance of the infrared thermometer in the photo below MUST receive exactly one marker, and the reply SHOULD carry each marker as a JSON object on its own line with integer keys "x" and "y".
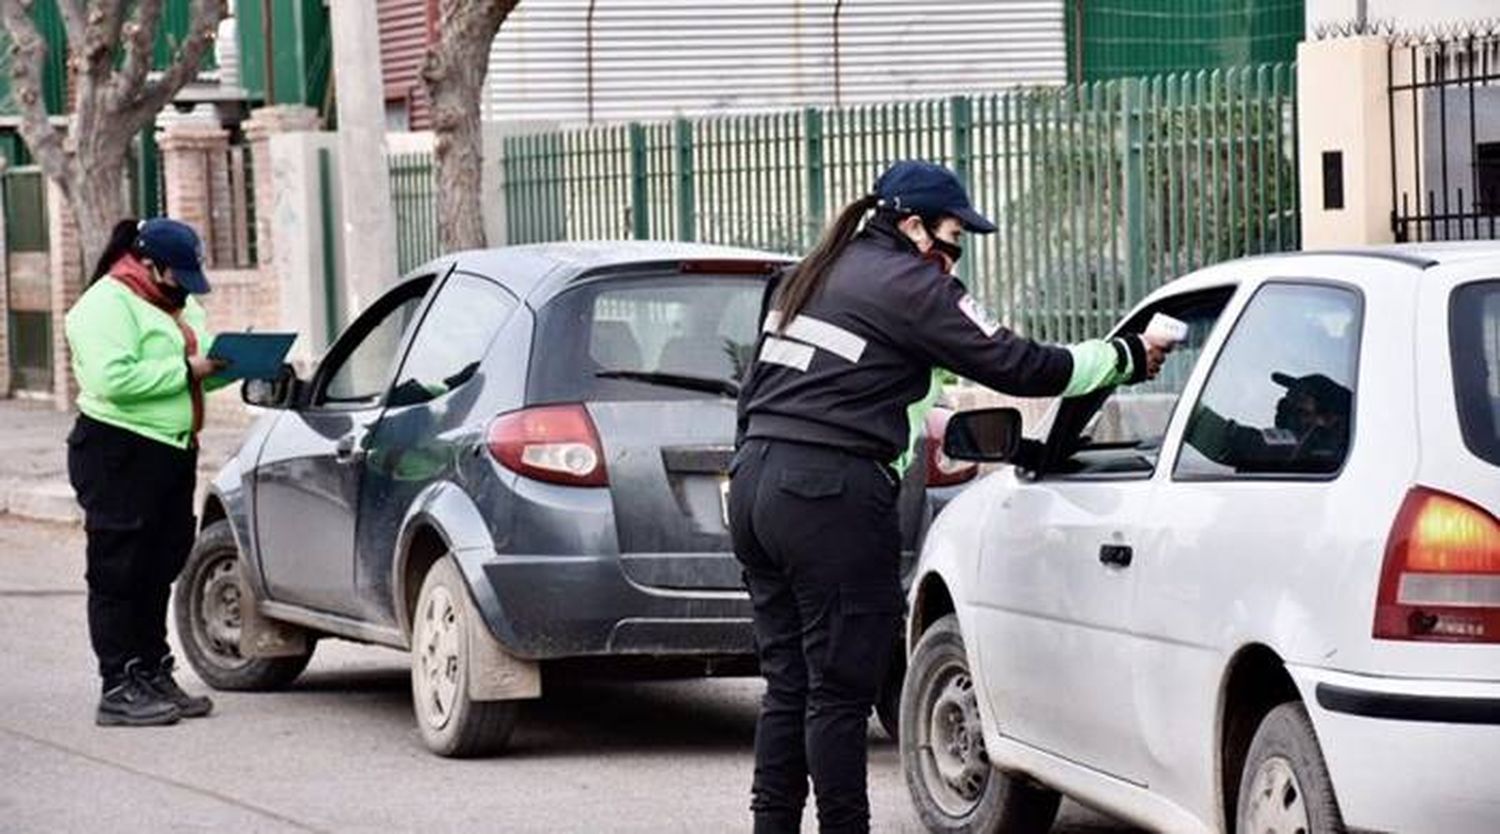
{"x": 1166, "y": 332}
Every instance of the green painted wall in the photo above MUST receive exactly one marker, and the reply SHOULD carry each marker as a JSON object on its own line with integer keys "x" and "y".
{"x": 1127, "y": 38}
{"x": 300, "y": 45}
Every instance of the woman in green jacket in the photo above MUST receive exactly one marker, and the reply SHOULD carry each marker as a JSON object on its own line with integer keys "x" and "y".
{"x": 139, "y": 342}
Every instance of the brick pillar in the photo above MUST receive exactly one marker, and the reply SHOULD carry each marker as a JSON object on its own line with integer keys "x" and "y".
{"x": 194, "y": 165}
{"x": 67, "y": 284}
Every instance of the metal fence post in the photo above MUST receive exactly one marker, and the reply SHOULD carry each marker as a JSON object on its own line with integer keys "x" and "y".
{"x": 961, "y": 115}
{"x": 817, "y": 196}
{"x": 640, "y": 218}
{"x": 687, "y": 214}
{"x": 1134, "y": 175}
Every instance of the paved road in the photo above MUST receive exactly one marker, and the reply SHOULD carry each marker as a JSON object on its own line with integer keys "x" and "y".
{"x": 339, "y": 752}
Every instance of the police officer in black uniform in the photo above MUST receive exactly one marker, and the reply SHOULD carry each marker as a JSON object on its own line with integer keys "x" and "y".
{"x": 843, "y": 373}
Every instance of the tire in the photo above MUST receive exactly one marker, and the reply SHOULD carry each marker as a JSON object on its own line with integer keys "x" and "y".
{"x": 888, "y": 702}
{"x": 452, "y": 723}
{"x": 206, "y": 604}
{"x": 1284, "y": 785}
{"x": 952, "y": 783}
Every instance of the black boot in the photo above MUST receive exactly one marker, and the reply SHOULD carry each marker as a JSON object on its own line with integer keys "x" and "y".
{"x": 129, "y": 702}
{"x": 160, "y": 681}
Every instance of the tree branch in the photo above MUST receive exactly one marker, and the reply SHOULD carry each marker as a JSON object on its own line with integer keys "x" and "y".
{"x": 185, "y": 64}
{"x": 140, "y": 43}
{"x": 28, "y": 53}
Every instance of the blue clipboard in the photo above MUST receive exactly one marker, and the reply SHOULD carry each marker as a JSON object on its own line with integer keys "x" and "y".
{"x": 251, "y": 355}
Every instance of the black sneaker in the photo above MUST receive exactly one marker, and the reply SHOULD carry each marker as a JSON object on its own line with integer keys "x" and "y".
{"x": 160, "y": 681}
{"x": 129, "y": 702}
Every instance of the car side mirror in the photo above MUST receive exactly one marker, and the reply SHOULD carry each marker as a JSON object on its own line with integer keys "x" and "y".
{"x": 987, "y": 435}
{"x": 271, "y": 393}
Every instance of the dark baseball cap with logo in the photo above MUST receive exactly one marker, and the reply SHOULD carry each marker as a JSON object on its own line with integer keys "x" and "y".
{"x": 173, "y": 244}
{"x": 929, "y": 191}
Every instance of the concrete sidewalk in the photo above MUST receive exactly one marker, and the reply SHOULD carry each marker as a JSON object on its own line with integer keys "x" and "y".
{"x": 34, "y": 460}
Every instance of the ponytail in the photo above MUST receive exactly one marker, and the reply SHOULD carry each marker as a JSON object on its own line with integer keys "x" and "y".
{"x": 121, "y": 243}
{"x": 809, "y": 275}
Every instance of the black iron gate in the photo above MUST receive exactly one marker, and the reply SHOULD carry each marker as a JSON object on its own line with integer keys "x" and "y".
{"x": 1445, "y": 137}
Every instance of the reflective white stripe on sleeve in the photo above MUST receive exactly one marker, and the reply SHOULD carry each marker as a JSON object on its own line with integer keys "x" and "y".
{"x": 781, "y": 352}
{"x": 819, "y": 333}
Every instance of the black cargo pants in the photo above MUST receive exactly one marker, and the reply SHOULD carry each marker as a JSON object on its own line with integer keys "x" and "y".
{"x": 137, "y": 499}
{"x": 816, "y": 530}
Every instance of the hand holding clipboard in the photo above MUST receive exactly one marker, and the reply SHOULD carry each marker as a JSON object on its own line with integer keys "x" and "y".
{"x": 251, "y": 355}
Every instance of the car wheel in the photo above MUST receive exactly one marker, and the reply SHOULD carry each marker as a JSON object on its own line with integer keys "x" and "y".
{"x": 952, "y": 783}
{"x": 1284, "y": 786}
{"x": 207, "y": 609}
{"x": 452, "y": 723}
{"x": 888, "y": 703}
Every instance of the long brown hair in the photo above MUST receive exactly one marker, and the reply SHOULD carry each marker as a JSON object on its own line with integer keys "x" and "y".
{"x": 805, "y": 280}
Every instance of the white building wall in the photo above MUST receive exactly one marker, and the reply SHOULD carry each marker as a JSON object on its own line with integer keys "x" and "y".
{"x": 660, "y": 58}
{"x": 1405, "y": 14}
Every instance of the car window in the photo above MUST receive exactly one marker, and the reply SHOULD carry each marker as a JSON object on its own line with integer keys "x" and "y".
{"x": 698, "y": 326}
{"x": 1280, "y": 398}
{"x": 362, "y": 359}
{"x": 1474, "y": 314}
{"x": 1120, "y": 431}
{"x": 452, "y": 338}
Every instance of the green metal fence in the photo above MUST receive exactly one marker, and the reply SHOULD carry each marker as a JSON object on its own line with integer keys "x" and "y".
{"x": 1102, "y": 191}
{"x": 414, "y": 194}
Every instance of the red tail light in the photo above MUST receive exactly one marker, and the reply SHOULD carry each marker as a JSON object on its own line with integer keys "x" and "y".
{"x": 555, "y": 443}
{"x": 1441, "y": 580}
{"x": 941, "y": 469}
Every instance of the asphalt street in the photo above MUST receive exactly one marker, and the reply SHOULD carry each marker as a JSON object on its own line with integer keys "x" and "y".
{"x": 338, "y": 751}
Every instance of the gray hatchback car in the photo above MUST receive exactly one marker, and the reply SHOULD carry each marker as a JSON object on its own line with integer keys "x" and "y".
{"x": 515, "y": 457}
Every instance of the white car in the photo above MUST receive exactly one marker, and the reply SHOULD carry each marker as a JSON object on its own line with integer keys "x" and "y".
{"x": 1258, "y": 594}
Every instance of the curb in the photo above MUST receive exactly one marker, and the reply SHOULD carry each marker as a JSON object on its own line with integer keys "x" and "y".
{"x": 52, "y": 500}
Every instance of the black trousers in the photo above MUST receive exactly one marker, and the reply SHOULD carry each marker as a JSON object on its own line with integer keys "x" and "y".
{"x": 816, "y": 530}
{"x": 137, "y": 499}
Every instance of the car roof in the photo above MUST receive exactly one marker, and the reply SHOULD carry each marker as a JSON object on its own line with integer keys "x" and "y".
{"x": 1418, "y": 257}
{"x": 529, "y": 267}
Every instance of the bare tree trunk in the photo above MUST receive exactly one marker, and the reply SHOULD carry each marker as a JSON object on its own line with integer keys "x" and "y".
{"x": 454, "y": 75}
{"x": 110, "y": 52}
{"x": 100, "y": 201}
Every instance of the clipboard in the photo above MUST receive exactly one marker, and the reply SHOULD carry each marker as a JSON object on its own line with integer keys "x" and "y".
{"x": 251, "y": 355}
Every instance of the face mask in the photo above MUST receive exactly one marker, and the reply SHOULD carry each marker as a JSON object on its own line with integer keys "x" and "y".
{"x": 175, "y": 294}
{"x": 952, "y": 250}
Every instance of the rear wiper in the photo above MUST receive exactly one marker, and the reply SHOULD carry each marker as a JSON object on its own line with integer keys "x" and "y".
{"x": 710, "y": 385}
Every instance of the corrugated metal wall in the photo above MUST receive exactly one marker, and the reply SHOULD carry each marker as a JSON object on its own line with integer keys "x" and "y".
{"x": 655, "y": 58}
{"x": 404, "y": 32}
{"x": 1128, "y": 38}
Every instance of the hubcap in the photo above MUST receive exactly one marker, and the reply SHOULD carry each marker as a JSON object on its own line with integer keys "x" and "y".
{"x": 438, "y": 646}
{"x": 219, "y": 611}
{"x": 950, "y": 743}
{"x": 1276, "y": 805}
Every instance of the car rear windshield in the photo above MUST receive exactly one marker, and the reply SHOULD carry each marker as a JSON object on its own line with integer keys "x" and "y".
{"x": 1475, "y": 316}
{"x": 650, "y": 337}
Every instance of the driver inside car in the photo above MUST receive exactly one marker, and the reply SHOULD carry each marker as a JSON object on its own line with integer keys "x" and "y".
{"x": 1311, "y": 430}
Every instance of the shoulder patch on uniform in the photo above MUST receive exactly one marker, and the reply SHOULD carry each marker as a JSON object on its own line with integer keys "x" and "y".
{"x": 979, "y": 314}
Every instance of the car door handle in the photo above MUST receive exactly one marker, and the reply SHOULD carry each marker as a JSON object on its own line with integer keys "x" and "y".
{"x": 1116, "y": 555}
{"x": 347, "y": 450}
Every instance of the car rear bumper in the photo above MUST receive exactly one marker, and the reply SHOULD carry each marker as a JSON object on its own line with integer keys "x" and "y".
{"x": 1409, "y": 755}
{"x": 550, "y": 607}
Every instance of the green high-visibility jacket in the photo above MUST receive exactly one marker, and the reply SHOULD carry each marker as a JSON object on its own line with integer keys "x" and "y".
{"x": 130, "y": 361}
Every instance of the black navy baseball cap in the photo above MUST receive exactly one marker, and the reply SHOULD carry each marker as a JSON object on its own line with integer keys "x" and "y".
{"x": 929, "y": 191}
{"x": 174, "y": 244}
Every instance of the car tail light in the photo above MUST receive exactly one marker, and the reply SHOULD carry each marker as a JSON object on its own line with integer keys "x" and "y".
{"x": 1441, "y": 580}
{"x": 941, "y": 469}
{"x": 555, "y": 443}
